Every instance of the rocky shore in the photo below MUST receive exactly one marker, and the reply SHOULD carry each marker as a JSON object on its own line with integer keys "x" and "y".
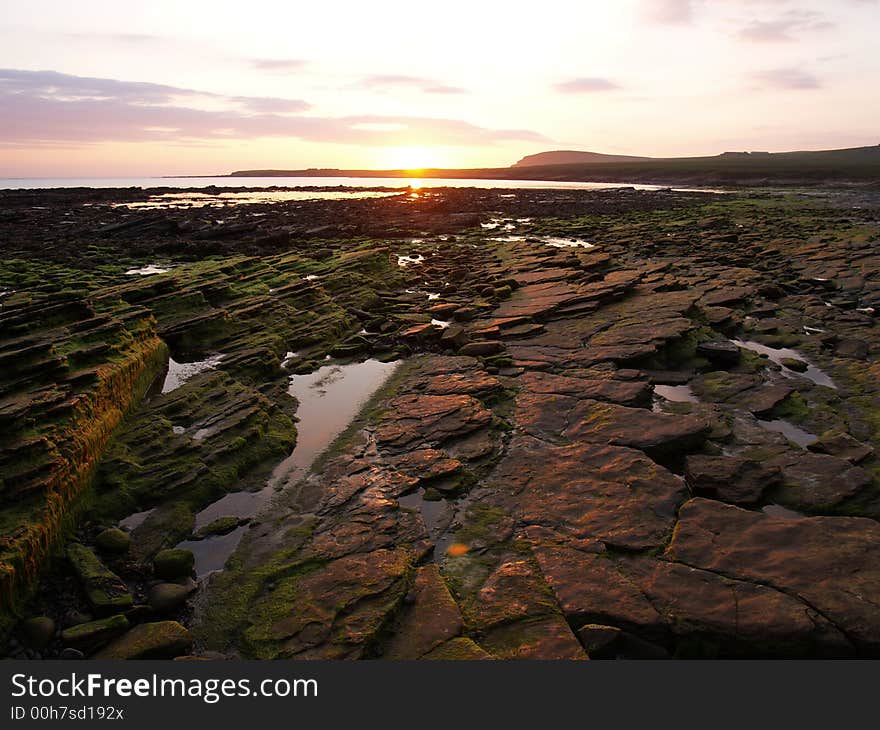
{"x": 584, "y": 424}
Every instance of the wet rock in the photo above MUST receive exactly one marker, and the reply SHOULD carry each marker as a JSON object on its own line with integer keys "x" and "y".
{"x": 818, "y": 482}
{"x": 72, "y": 654}
{"x": 453, "y": 337}
{"x": 730, "y": 479}
{"x": 431, "y": 620}
{"x": 762, "y": 401}
{"x": 173, "y": 563}
{"x": 841, "y": 445}
{"x": 852, "y": 349}
{"x": 91, "y": 636}
{"x": 657, "y": 434}
{"x": 481, "y": 349}
{"x": 830, "y": 563}
{"x": 430, "y": 418}
{"x": 158, "y": 640}
{"x": 113, "y": 541}
{"x": 38, "y": 631}
{"x": 106, "y": 591}
{"x": 167, "y": 597}
{"x": 720, "y": 352}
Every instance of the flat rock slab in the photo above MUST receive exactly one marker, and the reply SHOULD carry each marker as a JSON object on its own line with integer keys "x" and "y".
{"x": 606, "y": 389}
{"x": 818, "y": 482}
{"x": 431, "y": 620}
{"x": 159, "y": 640}
{"x": 106, "y": 591}
{"x": 331, "y": 612}
{"x": 830, "y": 563}
{"x": 592, "y": 491}
{"x": 639, "y": 428}
{"x": 431, "y": 419}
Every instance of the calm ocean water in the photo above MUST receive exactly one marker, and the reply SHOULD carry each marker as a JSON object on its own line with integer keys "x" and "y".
{"x": 261, "y": 182}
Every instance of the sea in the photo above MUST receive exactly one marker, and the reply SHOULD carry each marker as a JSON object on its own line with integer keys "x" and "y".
{"x": 37, "y": 183}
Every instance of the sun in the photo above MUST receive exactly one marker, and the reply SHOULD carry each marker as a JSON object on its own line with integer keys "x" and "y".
{"x": 410, "y": 158}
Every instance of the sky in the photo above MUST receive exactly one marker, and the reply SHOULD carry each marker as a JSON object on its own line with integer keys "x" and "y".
{"x": 166, "y": 87}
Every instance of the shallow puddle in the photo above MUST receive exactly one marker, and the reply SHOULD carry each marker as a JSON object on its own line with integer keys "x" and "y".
{"x": 147, "y": 270}
{"x": 777, "y": 354}
{"x": 180, "y": 372}
{"x": 251, "y": 197}
{"x": 329, "y": 400}
{"x": 790, "y": 431}
{"x": 135, "y": 520}
{"x": 404, "y": 261}
{"x": 212, "y": 553}
{"x": 565, "y": 243}
{"x": 676, "y": 393}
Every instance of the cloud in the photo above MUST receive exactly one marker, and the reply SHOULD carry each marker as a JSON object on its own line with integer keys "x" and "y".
{"x": 279, "y": 65}
{"x": 64, "y": 88}
{"x": 586, "y": 85}
{"x": 668, "y": 12}
{"x": 382, "y": 82}
{"x": 786, "y": 78}
{"x": 784, "y": 27}
{"x": 50, "y": 108}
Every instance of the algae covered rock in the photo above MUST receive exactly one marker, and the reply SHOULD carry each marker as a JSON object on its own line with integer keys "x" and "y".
{"x": 158, "y": 640}
{"x": 174, "y": 563}
{"x": 106, "y": 591}
{"x": 113, "y": 540}
{"x": 93, "y": 635}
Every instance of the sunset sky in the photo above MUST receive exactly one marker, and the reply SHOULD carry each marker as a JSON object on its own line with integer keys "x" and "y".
{"x": 172, "y": 87}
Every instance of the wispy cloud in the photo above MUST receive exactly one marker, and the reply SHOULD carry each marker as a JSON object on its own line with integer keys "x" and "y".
{"x": 278, "y": 65}
{"x": 586, "y": 85}
{"x": 785, "y": 27}
{"x": 786, "y": 78}
{"x": 50, "y": 108}
{"x": 132, "y": 38}
{"x": 382, "y": 82}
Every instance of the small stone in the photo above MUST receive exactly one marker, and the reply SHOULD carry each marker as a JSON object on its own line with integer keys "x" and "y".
{"x": 113, "y": 541}
{"x": 481, "y": 349}
{"x": 70, "y": 653}
{"x": 38, "y": 631}
{"x": 174, "y": 563}
{"x": 792, "y": 363}
{"x": 167, "y": 597}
